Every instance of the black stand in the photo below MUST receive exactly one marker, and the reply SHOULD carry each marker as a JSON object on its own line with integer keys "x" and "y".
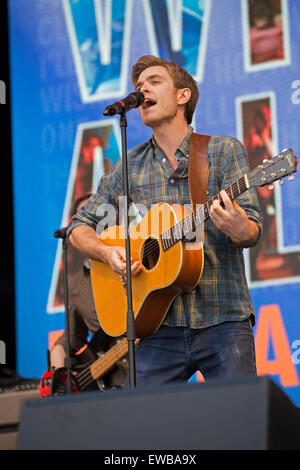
{"x": 130, "y": 315}
{"x": 62, "y": 233}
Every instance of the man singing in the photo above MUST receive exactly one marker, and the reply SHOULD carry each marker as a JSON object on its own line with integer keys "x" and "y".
{"x": 207, "y": 328}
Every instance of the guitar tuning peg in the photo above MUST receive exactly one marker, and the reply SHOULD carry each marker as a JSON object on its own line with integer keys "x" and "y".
{"x": 281, "y": 182}
{"x": 271, "y": 187}
{"x": 291, "y": 178}
{"x": 265, "y": 160}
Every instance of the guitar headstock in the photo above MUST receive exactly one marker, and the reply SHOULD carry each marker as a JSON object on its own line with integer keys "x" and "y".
{"x": 277, "y": 167}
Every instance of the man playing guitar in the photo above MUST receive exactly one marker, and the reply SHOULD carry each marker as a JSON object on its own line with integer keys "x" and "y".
{"x": 207, "y": 327}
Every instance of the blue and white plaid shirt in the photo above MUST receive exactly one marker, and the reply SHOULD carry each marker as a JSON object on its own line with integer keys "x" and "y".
{"x": 222, "y": 293}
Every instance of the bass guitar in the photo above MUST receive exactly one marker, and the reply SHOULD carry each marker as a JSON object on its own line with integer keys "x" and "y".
{"x": 54, "y": 381}
{"x": 170, "y": 263}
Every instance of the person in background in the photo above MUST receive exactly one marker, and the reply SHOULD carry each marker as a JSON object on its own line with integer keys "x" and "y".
{"x": 83, "y": 322}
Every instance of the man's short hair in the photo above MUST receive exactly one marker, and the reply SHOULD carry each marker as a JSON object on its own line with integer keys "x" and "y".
{"x": 181, "y": 79}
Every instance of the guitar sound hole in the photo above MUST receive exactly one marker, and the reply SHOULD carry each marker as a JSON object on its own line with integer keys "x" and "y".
{"x": 150, "y": 253}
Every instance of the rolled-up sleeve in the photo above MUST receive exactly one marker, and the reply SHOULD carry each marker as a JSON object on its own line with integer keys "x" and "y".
{"x": 101, "y": 210}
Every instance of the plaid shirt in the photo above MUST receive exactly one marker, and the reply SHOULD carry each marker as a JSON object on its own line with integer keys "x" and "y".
{"x": 222, "y": 293}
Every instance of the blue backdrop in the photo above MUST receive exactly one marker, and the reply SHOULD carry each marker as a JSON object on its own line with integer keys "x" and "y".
{"x": 69, "y": 60}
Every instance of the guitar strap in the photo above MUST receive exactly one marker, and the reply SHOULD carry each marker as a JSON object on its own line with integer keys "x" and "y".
{"x": 198, "y": 169}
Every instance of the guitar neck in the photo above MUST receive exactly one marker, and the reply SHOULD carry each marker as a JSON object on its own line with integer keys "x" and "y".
{"x": 200, "y": 215}
{"x": 233, "y": 191}
{"x": 102, "y": 365}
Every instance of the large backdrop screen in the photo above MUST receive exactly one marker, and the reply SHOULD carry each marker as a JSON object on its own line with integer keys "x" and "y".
{"x": 70, "y": 59}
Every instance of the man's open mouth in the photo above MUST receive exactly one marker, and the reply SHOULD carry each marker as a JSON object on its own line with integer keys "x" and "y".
{"x": 148, "y": 103}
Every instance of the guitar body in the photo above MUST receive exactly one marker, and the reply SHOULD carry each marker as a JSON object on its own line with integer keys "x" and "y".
{"x": 164, "y": 274}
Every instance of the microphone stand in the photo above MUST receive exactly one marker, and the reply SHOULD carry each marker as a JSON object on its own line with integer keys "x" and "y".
{"x": 62, "y": 233}
{"x": 131, "y": 335}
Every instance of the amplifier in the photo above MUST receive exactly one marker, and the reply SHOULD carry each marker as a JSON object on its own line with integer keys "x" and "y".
{"x": 11, "y": 400}
{"x": 252, "y": 413}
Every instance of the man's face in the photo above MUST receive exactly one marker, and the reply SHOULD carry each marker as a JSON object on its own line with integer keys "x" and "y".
{"x": 161, "y": 96}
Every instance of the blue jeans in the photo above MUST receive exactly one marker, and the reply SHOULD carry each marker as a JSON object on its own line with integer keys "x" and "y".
{"x": 174, "y": 354}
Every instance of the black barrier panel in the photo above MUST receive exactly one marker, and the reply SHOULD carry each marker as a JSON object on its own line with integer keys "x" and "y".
{"x": 250, "y": 413}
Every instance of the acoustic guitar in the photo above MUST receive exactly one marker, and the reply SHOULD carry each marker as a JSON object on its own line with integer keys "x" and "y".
{"x": 171, "y": 262}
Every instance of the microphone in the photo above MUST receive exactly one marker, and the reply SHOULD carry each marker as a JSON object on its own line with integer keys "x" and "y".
{"x": 61, "y": 233}
{"x": 133, "y": 100}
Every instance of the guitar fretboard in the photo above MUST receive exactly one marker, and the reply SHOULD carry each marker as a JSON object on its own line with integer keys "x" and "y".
{"x": 188, "y": 225}
{"x": 102, "y": 365}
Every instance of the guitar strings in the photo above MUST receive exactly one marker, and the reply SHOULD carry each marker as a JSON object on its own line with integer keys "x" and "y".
{"x": 109, "y": 355}
{"x": 152, "y": 245}
{"x": 85, "y": 377}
